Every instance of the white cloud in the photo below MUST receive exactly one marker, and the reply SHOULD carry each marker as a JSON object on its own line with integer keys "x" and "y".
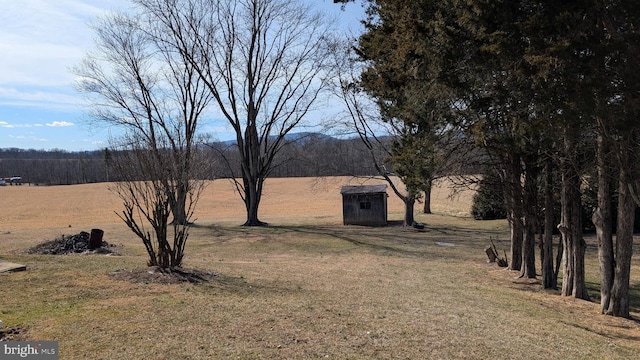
{"x": 7, "y": 125}
{"x": 60, "y": 124}
{"x": 36, "y": 43}
{"x": 55, "y": 99}
{"x": 40, "y": 40}
{"x": 28, "y": 137}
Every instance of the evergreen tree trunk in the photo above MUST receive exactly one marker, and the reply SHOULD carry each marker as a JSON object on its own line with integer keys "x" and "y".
{"x": 528, "y": 268}
{"x": 602, "y": 220}
{"x": 513, "y": 192}
{"x": 559, "y": 257}
{"x": 409, "y": 202}
{"x": 427, "y": 197}
{"x": 573, "y": 280}
{"x": 517, "y": 239}
{"x": 567, "y": 239}
{"x": 619, "y": 302}
{"x": 549, "y": 278}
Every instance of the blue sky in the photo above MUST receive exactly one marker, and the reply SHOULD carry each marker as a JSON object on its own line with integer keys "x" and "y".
{"x": 40, "y": 41}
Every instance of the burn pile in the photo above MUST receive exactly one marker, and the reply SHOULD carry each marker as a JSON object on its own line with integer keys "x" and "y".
{"x": 15, "y": 333}
{"x": 11, "y": 334}
{"x": 69, "y": 244}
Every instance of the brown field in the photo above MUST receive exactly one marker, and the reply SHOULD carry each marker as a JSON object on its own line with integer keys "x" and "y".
{"x": 304, "y": 287}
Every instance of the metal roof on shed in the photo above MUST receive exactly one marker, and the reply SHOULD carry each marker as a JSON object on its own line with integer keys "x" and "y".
{"x": 363, "y": 189}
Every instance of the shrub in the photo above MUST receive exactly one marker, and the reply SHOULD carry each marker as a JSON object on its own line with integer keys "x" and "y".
{"x": 488, "y": 202}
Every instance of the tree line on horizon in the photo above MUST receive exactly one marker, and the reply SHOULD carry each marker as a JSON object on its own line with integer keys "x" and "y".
{"x": 306, "y": 155}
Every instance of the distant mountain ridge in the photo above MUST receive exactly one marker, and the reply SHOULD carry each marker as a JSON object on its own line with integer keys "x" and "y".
{"x": 299, "y": 138}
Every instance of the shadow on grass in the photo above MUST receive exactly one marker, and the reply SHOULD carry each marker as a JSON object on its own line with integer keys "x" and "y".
{"x": 593, "y": 288}
{"x": 239, "y": 286}
{"x": 205, "y": 281}
{"x": 605, "y": 333}
{"x": 391, "y": 240}
{"x": 386, "y": 243}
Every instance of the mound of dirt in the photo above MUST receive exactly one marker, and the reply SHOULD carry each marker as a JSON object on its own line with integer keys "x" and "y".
{"x": 156, "y": 275}
{"x": 78, "y": 243}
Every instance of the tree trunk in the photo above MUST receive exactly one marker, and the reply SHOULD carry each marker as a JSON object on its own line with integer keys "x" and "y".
{"x": 427, "y": 197}
{"x": 619, "y": 301}
{"x": 549, "y": 278}
{"x": 252, "y": 167}
{"x": 517, "y": 239}
{"x": 178, "y": 206}
{"x": 573, "y": 278}
{"x": 567, "y": 245}
{"x": 409, "y": 202}
{"x": 602, "y": 220}
{"x": 164, "y": 249}
{"x": 559, "y": 257}
{"x": 528, "y": 266}
{"x": 252, "y": 201}
{"x": 513, "y": 192}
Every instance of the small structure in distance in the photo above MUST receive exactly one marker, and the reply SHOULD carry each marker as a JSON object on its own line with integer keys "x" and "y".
{"x": 364, "y": 205}
{"x": 14, "y": 180}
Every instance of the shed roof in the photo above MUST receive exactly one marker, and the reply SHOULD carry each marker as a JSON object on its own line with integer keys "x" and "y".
{"x": 364, "y": 189}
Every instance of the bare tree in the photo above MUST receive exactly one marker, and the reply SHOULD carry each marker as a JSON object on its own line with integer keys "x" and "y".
{"x": 147, "y": 189}
{"x": 136, "y": 83}
{"x": 363, "y": 117}
{"x": 264, "y": 61}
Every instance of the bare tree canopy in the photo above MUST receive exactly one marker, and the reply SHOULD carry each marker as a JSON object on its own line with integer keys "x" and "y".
{"x": 265, "y": 63}
{"x": 134, "y": 82}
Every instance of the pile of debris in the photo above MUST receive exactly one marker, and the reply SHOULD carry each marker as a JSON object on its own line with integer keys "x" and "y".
{"x": 492, "y": 254}
{"x": 11, "y": 334}
{"x": 78, "y": 243}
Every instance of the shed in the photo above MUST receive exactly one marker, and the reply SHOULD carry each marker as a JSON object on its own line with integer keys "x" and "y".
{"x": 364, "y": 205}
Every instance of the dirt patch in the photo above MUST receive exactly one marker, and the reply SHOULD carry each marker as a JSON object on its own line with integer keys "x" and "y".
{"x": 156, "y": 275}
{"x": 78, "y": 243}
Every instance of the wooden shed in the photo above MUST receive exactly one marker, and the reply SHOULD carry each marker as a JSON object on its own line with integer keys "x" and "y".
{"x": 364, "y": 205}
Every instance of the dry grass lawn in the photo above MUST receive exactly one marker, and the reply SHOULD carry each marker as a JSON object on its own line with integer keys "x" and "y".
{"x": 304, "y": 287}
